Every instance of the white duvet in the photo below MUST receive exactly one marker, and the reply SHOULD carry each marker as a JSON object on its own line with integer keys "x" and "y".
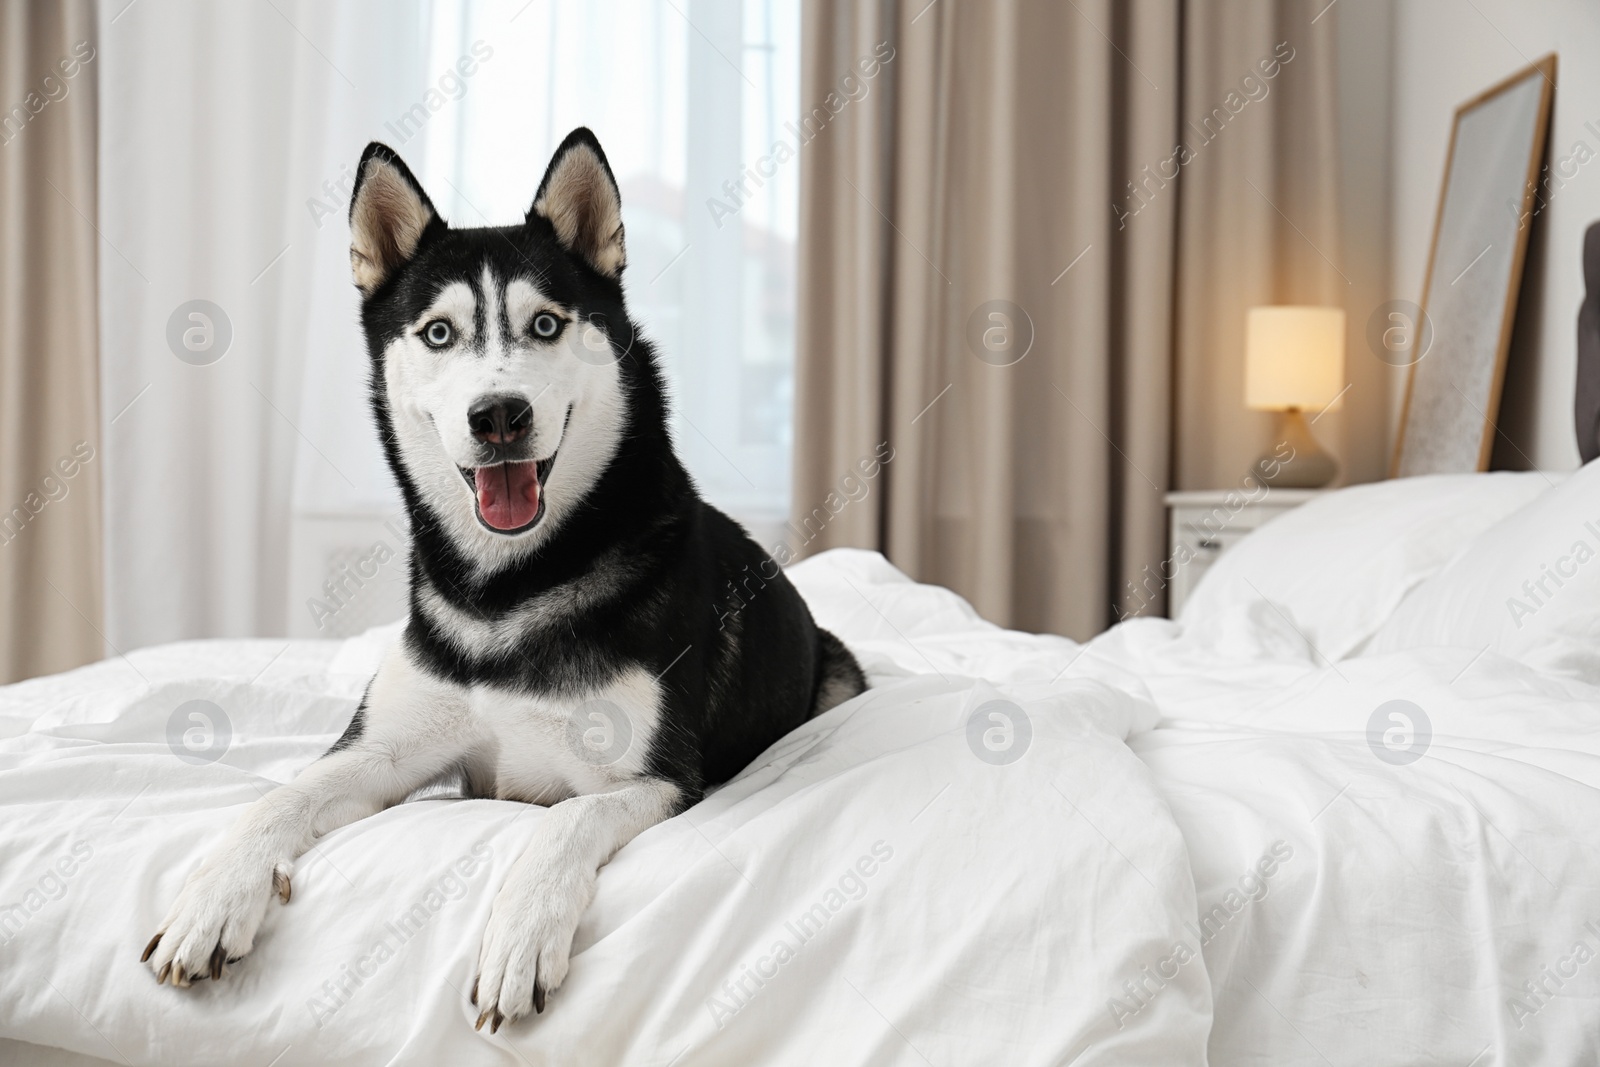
{"x": 869, "y": 891}
{"x": 1185, "y": 848}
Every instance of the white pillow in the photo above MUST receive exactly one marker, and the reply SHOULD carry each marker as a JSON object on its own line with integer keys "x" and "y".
{"x": 1528, "y": 587}
{"x": 1340, "y": 565}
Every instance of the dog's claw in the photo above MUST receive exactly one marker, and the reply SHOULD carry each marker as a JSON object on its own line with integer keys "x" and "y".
{"x": 161, "y": 976}
{"x": 481, "y": 1019}
{"x": 280, "y": 884}
{"x": 498, "y": 1019}
{"x": 474, "y": 991}
{"x": 538, "y": 997}
{"x": 218, "y": 955}
{"x": 151, "y": 947}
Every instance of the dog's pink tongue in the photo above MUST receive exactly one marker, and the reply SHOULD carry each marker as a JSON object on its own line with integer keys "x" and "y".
{"x": 508, "y": 495}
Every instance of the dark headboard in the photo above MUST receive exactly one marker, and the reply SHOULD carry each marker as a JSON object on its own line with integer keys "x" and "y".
{"x": 1586, "y": 409}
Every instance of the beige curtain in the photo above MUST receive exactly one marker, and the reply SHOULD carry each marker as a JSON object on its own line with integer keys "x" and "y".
{"x": 1012, "y": 173}
{"x": 50, "y": 567}
{"x": 1259, "y": 223}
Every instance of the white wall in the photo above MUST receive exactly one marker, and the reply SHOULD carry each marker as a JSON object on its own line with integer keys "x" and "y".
{"x": 1446, "y": 51}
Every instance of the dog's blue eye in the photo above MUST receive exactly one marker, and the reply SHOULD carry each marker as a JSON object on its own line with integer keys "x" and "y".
{"x": 546, "y": 325}
{"x": 438, "y": 333}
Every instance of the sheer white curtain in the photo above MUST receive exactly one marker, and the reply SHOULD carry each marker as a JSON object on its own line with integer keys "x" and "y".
{"x": 217, "y": 124}
{"x": 245, "y": 493}
{"x": 684, "y": 96}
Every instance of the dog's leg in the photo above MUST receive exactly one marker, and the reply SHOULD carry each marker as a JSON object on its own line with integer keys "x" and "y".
{"x": 414, "y": 726}
{"x": 536, "y": 912}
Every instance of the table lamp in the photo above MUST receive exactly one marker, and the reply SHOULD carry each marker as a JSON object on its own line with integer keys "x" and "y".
{"x": 1294, "y": 361}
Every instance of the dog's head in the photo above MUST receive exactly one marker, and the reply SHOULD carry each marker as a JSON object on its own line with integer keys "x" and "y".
{"x": 497, "y": 353}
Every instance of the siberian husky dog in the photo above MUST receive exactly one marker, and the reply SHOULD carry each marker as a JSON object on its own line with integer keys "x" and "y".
{"x": 585, "y": 632}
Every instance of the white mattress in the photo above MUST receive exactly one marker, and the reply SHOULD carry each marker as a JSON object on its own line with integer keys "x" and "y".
{"x": 1024, "y": 912}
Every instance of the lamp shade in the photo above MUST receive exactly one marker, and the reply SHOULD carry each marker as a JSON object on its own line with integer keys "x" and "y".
{"x": 1293, "y": 358}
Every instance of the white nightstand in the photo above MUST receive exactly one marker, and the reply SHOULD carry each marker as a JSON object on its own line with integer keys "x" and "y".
{"x": 1208, "y": 522}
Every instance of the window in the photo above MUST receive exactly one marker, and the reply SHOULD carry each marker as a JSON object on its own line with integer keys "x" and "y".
{"x": 687, "y": 99}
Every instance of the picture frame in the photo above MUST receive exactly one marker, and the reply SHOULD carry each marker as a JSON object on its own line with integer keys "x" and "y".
{"x": 1462, "y": 334}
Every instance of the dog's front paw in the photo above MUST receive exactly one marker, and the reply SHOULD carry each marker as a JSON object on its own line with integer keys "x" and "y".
{"x": 527, "y": 941}
{"x": 214, "y": 920}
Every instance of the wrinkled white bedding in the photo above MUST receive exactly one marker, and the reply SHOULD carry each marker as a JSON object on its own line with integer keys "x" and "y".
{"x": 927, "y": 903}
{"x": 1338, "y": 907}
{"x": 1421, "y": 899}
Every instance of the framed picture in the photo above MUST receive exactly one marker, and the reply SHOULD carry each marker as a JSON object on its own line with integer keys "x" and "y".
{"x": 1469, "y": 301}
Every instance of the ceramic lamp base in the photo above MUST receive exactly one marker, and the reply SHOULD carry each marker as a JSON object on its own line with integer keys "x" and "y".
{"x": 1296, "y": 461}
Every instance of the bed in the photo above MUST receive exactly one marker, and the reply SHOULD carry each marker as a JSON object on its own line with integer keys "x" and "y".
{"x": 1344, "y": 810}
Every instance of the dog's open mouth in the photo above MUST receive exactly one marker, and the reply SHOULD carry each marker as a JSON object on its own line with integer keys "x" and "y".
{"x": 509, "y": 496}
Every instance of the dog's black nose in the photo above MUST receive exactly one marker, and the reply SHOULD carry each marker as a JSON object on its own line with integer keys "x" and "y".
{"x": 500, "y": 420}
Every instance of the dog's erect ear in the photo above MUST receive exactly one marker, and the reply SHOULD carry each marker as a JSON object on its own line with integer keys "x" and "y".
{"x": 579, "y": 196}
{"x": 388, "y": 214}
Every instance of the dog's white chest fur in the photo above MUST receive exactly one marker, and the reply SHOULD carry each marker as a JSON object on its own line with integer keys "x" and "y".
{"x": 543, "y": 749}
